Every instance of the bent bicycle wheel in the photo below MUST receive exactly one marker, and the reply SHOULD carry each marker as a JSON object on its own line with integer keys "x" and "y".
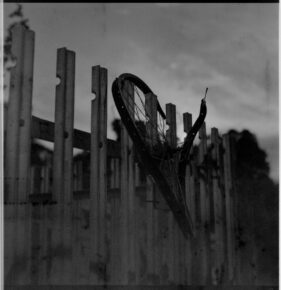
{"x": 134, "y": 117}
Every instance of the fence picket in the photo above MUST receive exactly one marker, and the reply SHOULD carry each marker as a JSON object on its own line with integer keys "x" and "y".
{"x": 171, "y": 135}
{"x": 151, "y": 125}
{"x": 98, "y": 190}
{"x": 190, "y": 201}
{"x": 13, "y": 116}
{"x": 228, "y": 205}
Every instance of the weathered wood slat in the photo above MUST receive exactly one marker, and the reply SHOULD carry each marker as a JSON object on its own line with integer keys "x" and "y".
{"x": 68, "y": 163}
{"x": 228, "y": 205}
{"x": 94, "y": 178}
{"x": 204, "y": 205}
{"x": 13, "y": 116}
{"x": 98, "y": 182}
{"x": 190, "y": 201}
{"x": 217, "y": 202}
{"x": 46, "y": 178}
{"x": 124, "y": 243}
{"x": 68, "y": 127}
{"x": 117, "y": 168}
{"x": 171, "y": 135}
{"x": 102, "y": 171}
{"x": 76, "y": 242}
{"x": 187, "y": 122}
{"x": 112, "y": 173}
{"x": 17, "y": 147}
{"x": 25, "y": 116}
{"x": 151, "y": 129}
{"x": 131, "y": 196}
{"x": 59, "y": 128}
{"x": 164, "y": 250}
{"x": 127, "y": 187}
{"x": 63, "y": 155}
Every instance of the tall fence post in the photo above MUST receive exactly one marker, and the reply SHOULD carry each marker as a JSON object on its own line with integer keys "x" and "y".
{"x": 171, "y": 135}
{"x": 127, "y": 190}
{"x": 98, "y": 179}
{"x": 25, "y": 117}
{"x": 13, "y": 119}
{"x": 204, "y": 205}
{"x": 131, "y": 199}
{"x": 190, "y": 199}
{"x": 58, "y": 157}
{"x": 217, "y": 212}
{"x": 18, "y": 145}
{"x": 228, "y": 205}
{"x": 17, "y": 149}
{"x": 63, "y": 158}
{"x": 151, "y": 129}
{"x": 64, "y": 116}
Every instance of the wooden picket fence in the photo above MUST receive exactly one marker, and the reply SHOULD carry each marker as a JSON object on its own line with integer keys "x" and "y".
{"x": 119, "y": 231}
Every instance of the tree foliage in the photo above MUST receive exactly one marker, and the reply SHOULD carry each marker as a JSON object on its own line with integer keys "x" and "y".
{"x": 256, "y": 199}
{"x": 17, "y": 17}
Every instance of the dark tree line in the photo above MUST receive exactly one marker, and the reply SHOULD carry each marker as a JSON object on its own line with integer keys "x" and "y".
{"x": 257, "y": 203}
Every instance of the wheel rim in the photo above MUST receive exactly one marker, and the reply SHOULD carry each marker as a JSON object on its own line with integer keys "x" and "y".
{"x": 132, "y": 114}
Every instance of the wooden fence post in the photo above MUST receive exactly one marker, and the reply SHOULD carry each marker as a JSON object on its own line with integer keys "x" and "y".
{"x": 217, "y": 211}
{"x": 18, "y": 146}
{"x": 131, "y": 201}
{"x": 117, "y": 175}
{"x": 228, "y": 206}
{"x": 46, "y": 178}
{"x": 64, "y": 116}
{"x": 17, "y": 149}
{"x": 204, "y": 206}
{"x": 127, "y": 189}
{"x": 124, "y": 203}
{"x": 25, "y": 117}
{"x": 98, "y": 183}
{"x": 80, "y": 175}
{"x": 190, "y": 200}
{"x": 63, "y": 158}
{"x": 68, "y": 161}
{"x": 68, "y": 127}
{"x": 112, "y": 173}
{"x": 13, "y": 118}
{"x": 75, "y": 188}
{"x": 151, "y": 129}
{"x": 137, "y": 175}
{"x": 58, "y": 157}
{"x": 171, "y": 135}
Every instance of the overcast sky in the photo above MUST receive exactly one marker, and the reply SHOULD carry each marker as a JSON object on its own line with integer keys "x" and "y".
{"x": 177, "y": 49}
